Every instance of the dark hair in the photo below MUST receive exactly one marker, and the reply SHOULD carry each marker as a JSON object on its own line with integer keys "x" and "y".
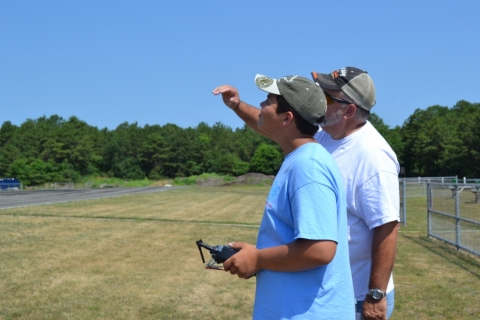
{"x": 303, "y": 125}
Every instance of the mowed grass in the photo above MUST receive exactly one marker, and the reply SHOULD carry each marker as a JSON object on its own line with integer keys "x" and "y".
{"x": 134, "y": 257}
{"x": 432, "y": 279}
{"x": 202, "y": 204}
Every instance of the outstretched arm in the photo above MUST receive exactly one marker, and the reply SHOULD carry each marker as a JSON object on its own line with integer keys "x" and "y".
{"x": 246, "y": 112}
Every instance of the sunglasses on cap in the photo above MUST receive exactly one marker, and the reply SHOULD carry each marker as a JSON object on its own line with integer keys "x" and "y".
{"x": 331, "y": 99}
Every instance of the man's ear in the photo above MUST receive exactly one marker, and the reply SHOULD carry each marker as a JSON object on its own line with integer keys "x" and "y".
{"x": 350, "y": 112}
{"x": 288, "y": 119}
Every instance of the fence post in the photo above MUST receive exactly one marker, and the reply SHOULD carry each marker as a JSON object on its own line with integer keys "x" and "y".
{"x": 429, "y": 205}
{"x": 404, "y": 200}
{"x": 457, "y": 216}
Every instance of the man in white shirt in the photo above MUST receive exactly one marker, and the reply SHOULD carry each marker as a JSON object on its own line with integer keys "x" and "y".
{"x": 370, "y": 171}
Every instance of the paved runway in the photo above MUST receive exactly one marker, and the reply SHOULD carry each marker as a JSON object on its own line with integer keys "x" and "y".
{"x": 15, "y": 199}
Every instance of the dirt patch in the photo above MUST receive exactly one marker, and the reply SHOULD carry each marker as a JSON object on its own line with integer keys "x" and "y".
{"x": 246, "y": 179}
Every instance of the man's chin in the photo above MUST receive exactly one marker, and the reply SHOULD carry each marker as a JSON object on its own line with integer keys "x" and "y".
{"x": 325, "y": 125}
{"x": 329, "y": 123}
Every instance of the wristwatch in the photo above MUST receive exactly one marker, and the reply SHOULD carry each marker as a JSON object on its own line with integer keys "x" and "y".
{"x": 376, "y": 294}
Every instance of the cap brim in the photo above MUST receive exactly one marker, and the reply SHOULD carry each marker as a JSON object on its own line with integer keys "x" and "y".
{"x": 325, "y": 81}
{"x": 267, "y": 84}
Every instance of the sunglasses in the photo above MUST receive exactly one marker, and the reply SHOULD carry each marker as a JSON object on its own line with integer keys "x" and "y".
{"x": 331, "y": 99}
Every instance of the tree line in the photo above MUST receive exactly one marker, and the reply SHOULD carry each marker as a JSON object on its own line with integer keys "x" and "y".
{"x": 437, "y": 141}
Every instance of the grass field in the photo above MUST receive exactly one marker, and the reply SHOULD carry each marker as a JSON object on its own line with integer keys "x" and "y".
{"x": 135, "y": 257}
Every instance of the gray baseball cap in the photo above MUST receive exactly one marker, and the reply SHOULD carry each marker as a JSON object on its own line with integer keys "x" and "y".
{"x": 304, "y": 95}
{"x": 354, "y": 82}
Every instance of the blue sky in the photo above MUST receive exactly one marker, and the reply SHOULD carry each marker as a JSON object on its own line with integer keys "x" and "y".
{"x": 157, "y": 62}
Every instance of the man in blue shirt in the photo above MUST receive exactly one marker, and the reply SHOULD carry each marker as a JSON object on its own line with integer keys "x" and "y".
{"x": 301, "y": 258}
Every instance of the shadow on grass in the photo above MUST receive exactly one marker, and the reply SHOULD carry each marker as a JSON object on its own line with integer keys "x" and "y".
{"x": 450, "y": 254}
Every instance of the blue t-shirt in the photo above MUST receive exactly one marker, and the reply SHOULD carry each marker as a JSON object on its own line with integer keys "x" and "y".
{"x": 307, "y": 200}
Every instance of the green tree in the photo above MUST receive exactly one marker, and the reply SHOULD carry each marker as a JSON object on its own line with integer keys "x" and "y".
{"x": 123, "y": 150}
{"x": 423, "y": 141}
{"x": 8, "y": 154}
{"x": 267, "y": 159}
{"x": 6, "y": 133}
{"x": 20, "y": 170}
{"x": 245, "y": 141}
{"x": 154, "y": 153}
{"x": 465, "y": 150}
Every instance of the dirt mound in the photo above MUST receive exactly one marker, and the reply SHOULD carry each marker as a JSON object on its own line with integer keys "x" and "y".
{"x": 246, "y": 179}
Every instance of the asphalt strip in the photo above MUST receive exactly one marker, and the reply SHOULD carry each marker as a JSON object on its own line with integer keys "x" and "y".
{"x": 24, "y": 198}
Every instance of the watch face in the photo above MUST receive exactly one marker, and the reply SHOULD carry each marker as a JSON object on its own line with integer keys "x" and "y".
{"x": 376, "y": 294}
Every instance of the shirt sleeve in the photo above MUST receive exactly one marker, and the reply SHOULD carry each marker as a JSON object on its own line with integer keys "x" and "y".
{"x": 379, "y": 199}
{"x": 314, "y": 210}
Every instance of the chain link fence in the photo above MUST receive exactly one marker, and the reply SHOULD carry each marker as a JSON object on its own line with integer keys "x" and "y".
{"x": 454, "y": 213}
{"x": 417, "y": 187}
